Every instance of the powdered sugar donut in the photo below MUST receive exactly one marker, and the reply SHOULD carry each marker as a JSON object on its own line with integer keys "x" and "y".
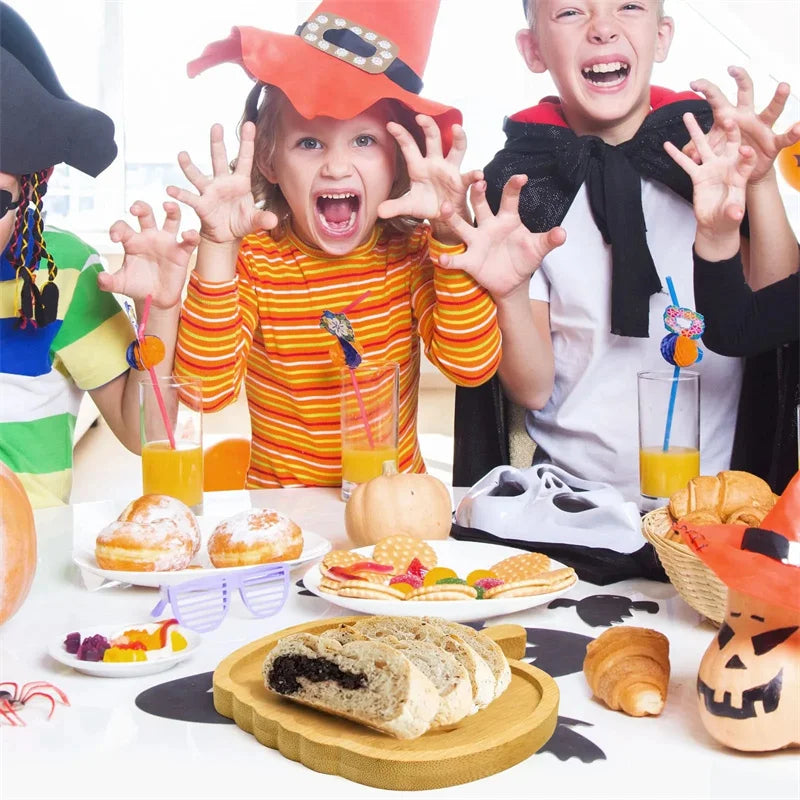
{"x": 143, "y": 547}
{"x": 153, "y": 507}
{"x": 256, "y": 536}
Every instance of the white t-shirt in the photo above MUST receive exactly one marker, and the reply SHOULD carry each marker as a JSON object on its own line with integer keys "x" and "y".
{"x": 590, "y": 424}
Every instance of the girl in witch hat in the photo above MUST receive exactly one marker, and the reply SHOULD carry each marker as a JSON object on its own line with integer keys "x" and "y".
{"x": 60, "y": 335}
{"x": 324, "y": 211}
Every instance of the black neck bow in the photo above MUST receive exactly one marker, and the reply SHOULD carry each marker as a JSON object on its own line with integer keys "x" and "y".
{"x": 558, "y": 162}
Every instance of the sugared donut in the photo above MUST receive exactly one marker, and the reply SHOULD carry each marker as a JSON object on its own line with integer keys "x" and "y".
{"x": 153, "y": 507}
{"x": 256, "y": 536}
{"x": 143, "y": 547}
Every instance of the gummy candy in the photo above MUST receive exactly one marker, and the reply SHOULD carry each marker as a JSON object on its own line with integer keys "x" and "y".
{"x": 404, "y": 587}
{"x": 479, "y": 590}
{"x": 177, "y": 641}
{"x": 452, "y": 580}
{"x": 370, "y": 566}
{"x": 72, "y": 643}
{"x": 342, "y": 574}
{"x": 92, "y": 648}
{"x": 434, "y": 575}
{"x": 120, "y": 654}
{"x": 416, "y": 567}
{"x": 409, "y": 578}
{"x": 488, "y": 583}
{"x": 478, "y": 574}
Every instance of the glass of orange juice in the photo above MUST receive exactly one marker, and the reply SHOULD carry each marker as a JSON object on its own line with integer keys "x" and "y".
{"x": 369, "y": 419}
{"x": 669, "y": 440}
{"x": 172, "y": 439}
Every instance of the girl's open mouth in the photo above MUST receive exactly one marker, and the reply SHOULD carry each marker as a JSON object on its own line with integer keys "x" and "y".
{"x": 608, "y": 74}
{"x": 338, "y": 212}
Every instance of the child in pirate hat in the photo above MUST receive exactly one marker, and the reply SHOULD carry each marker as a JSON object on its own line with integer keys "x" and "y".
{"x": 325, "y": 211}
{"x": 62, "y": 332}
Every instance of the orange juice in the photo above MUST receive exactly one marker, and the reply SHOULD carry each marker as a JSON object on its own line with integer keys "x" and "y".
{"x": 663, "y": 473}
{"x": 178, "y": 472}
{"x": 360, "y": 465}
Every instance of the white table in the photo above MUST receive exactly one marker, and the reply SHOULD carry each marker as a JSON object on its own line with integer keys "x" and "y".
{"x": 103, "y": 746}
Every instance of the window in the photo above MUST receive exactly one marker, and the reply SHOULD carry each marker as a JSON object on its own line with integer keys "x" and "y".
{"x": 128, "y": 58}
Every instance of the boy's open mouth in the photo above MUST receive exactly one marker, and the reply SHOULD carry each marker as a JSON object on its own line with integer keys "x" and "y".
{"x": 606, "y": 74}
{"x": 337, "y": 212}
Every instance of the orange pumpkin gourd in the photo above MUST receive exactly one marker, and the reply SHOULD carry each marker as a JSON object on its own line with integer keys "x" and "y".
{"x": 17, "y": 544}
{"x": 414, "y": 504}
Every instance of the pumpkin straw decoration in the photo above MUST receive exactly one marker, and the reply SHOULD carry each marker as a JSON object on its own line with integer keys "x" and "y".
{"x": 679, "y": 347}
{"x": 151, "y": 369}
{"x": 348, "y": 353}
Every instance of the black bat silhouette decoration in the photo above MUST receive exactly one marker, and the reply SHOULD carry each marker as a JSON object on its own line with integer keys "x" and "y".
{"x": 603, "y": 610}
{"x": 566, "y": 743}
{"x": 302, "y": 591}
{"x": 188, "y": 699}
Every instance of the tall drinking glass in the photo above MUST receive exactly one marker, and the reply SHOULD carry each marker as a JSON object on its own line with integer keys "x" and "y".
{"x": 369, "y": 419}
{"x": 171, "y": 425}
{"x": 669, "y": 434}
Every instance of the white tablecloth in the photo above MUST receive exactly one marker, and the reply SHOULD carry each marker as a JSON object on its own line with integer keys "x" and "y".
{"x": 104, "y": 746}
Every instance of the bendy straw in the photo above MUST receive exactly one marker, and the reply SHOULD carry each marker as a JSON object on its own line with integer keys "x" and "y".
{"x": 679, "y": 347}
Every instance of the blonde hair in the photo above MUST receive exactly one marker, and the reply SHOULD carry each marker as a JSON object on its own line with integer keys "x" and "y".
{"x": 266, "y": 115}
{"x": 530, "y": 14}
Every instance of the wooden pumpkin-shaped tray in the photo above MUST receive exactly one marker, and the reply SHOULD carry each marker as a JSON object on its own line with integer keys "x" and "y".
{"x": 509, "y": 730}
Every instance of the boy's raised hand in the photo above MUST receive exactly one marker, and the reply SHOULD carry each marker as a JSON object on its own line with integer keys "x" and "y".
{"x": 225, "y": 202}
{"x": 434, "y": 178}
{"x": 155, "y": 261}
{"x": 720, "y": 179}
{"x": 756, "y": 129}
{"x": 501, "y": 253}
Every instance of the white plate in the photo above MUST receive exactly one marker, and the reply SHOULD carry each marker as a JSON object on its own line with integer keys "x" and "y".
{"x": 157, "y": 661}
{"x": 314, "y": 547}
{"x": 463, "y": 557}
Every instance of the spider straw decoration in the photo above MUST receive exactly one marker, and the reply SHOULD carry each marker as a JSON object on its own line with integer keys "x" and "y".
{"x": 13, "y": 701}
{"x": 348, "y": 353}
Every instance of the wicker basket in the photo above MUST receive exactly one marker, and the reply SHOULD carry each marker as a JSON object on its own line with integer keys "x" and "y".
{"x": 692, "y": 579}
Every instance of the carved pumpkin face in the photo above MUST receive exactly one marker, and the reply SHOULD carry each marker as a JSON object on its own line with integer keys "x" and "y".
{"x": 748, "y": 684}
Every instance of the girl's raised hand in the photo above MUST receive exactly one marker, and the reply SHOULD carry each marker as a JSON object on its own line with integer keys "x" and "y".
{"x": 501, "y": 253}
{"x": 756, "y": 129}
{"x": 720, "y": 179}
{"x": 225, "y": 201}
{"x": 434, "y": 178}
{"x": 155, "y": 261}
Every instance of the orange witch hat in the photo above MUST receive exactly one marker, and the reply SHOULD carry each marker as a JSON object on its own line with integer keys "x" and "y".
{"x": 347, "y": 56}
{"x": 761, "y": 562}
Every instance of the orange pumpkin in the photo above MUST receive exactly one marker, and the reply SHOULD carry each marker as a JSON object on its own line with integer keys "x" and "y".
{"x": 17, "y": 544}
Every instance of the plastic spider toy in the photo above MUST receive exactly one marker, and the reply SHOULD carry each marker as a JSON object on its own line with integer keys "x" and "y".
{"x": 11, "y": 702}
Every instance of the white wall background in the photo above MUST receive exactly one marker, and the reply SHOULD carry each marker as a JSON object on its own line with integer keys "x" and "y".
{"x": 128, "y": 57}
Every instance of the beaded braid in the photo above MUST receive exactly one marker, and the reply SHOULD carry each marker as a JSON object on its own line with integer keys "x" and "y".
{"x": 37, "y": 307}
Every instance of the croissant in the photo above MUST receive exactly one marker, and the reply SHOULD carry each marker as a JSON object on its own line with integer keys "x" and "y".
{"x": 729, "y": 497}
{"x": 628, "y": 669}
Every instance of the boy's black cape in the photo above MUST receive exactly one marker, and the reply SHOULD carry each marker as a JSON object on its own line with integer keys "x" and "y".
{"x": 558, "y": 162}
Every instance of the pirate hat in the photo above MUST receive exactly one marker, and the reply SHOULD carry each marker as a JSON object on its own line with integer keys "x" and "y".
{"x": 347, "y": 56}
{"x": 41, "y": 125}
{"x": 761, "y": 562}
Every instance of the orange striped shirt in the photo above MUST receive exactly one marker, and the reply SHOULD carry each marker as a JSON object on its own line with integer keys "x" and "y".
{"x": 262, "y": 329}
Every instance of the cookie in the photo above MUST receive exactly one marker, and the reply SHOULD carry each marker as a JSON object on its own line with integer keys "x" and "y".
{"x": 341, "y": 558}
{"x": 444, "y": 591}
{"x": 401, "y": 550}
{"x": 327, "y": 585}
{"x": 521, "y": 567}
{"x": 544, "y": 583}
{"x": 368, "y": 591}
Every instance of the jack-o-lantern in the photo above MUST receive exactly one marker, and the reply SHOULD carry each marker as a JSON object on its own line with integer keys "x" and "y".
{"x": 748, "y": 683}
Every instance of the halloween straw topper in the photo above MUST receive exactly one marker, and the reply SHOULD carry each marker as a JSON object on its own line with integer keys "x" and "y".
{"x": 679, "y": 347}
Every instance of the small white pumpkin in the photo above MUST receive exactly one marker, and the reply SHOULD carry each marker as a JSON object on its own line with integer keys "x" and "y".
{"x": 413, "y": 504}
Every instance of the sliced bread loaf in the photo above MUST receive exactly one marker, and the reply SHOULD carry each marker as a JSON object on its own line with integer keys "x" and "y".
{"x": 449, "y": 677}
{"x": 366, "y": 681}
{"x": 482, "y": 680}
{"x": 485, "y": 647}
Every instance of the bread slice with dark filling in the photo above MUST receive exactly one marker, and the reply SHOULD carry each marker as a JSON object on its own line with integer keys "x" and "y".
{"x": 369, "y": 682}
{"x": 442, "y": 669}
